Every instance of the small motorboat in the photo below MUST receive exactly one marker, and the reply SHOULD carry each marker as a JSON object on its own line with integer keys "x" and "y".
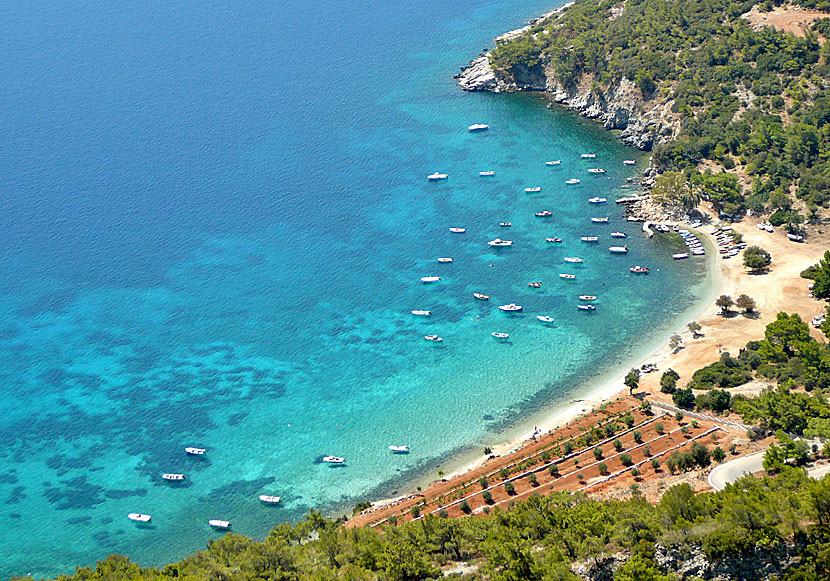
{"x": 535, "y": 284}
{"x": 572, "y": 181}
{"x": 588, "y": 156}
{"x": 445, "y": 260}
{"x": 618, "y": 235}
{"x": 334, "y": 460}
{"x": 587, "y": 297}
{"x": 618, "y": 249}
{"x": 597, "y": 200}
{"x": 596, "y": 170}
{"x": 500, "y": 242}
{"x": 545, "y": 318}
{"x": 501, "y": 336}
{"x": 586, "y": 307}
{"x": 268, "y": 499}
{"x": 399, "y": 449}
{"x": 173, "y": 477}
{"x": 421, "y": 313}
{"x": 486, "y": 173}
{"x": 639, "y": 269}
{"x": 629, "y": 162}
{"x": 481, "y": 296}
{"x": 574, "y": 260}
{"x": 430, "y": 278}
{"x": 505, "y": 224}
{"x": 219, "y": 524}
{"x": 478, "y": 127}
{"x": 567, "y": 276}
{"x": 434, "y": 339}
{"x": 511, "y": 308}
{"x": 544, "y": 214}
{"x": 456, "y": 230}
{"x": 138, "y": 517}
{"x": 554, "y": 162}
{"x": 589, "y": 238}
{"x": 600, "y": 220}
{"x": 553, "y": 240}
{"x": 533, "y": 190}
{"x": 680, "y": 255}
{"x": 195, "y": 451}
{"x": 436, "y": 176}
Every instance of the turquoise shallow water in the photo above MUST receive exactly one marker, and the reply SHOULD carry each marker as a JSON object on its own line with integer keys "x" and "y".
{"x": 215, "y": 223}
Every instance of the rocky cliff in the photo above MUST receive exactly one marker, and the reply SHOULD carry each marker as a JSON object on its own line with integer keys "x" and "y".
{"x": 644, "y": 123}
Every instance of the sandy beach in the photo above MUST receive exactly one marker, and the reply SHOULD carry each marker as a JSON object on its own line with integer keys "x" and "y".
{"x": 779, "y": 288}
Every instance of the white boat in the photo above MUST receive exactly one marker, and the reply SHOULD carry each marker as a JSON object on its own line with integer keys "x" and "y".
{"x": 430, "y": 278}
{"x": 219, "y": 524}
{"x": 600, "y": 220}
{"x": 500, "y": 242}
{"x": 535, "y": 284}
{"x": 478, "y": 127}
{"x": 618, "y": 235}
{"x": 486, "y": 173}
{"x": 172, "y": 476}
{"x": 554, "y": 162}
{"x": 680, "y": 255}
{"x": 456, "y": 230}
{"x": 436, "y": 176}
{"x": 421, "y": 313}
{"x": 589, "y": 238}
{"x": 587, "y": 297}
{"x": 574, "y": 259}
{"x": 544, "y": 214}
{"x": 334, "y": 460}
{"x": 498, "y": 335}
{"x": 618, "y": 249}
{"x": 629, "y": 162}
{"x": 511, "y": 308}
{"x": 195, "y": 451}
{"x": 444, "y": 260}
{"x": 572, "y": 181}
{"x": 434, "y": 339}
{"x": 138, "y": 517}
{"x": 267, "y": 498}
{"x": 597, "y": 200}
{"x": 596, "y": 170}
{"x": 639, "y": 269}
{"x": 505, "y": 224}
{"x": 567, "y": 276}
{"x": 586, "y": 307}
{"x": 545, "y": 318}
{"x": 481, "y": 296}
{"x": 588, "y": 156}
{"x": 533, "y": 190}
{"x": 400, "y": 449}
{"x": 553, "y": 240}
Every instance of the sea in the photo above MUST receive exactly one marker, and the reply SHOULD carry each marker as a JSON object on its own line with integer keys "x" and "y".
{"x": 215, "y": 219}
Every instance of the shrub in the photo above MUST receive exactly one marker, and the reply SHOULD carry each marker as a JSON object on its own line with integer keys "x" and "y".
{"x": 465, "y": 506}
{"x": 625, "y": 459}
{"x": 646, "y": 451}
{"x": 567, "y": 448}
{"x": 504, "y": 473}
{"x": 483, "y": 482}
{"x": 635, "y": 472}
{"x": 628, "y": 420}
{"x": 683, "y": 398}
{"x": 610, "y": 429}
{"x": 638, "y": 436}
{"x": 679, "y": 416}
{"x": 618, "y": 445}
{"x": 487, "y": 496}
{"x": 546, "y": 456}
{"x": 685, "y": 431}
{"x": 655, "y": 463}
{"x": 718, "y": 454}
{"x": 603, "y": 468}
{"x": 659, "y": 428}
{"x": 415, "y": 511}
{"x": 392, "y": 520}
{"x": 554, "y": 470}
{"x": 598, "y": 453}
{"x": 700, "y": 454}
{"x": 509, "y": 488}
{"x": 580, "y": 477}
{"x": 487, "y": 450}
{"x": 695, "y": 424}
{"x": 443, "y": 513}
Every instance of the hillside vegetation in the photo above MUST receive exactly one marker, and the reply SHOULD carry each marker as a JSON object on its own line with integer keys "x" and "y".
{"x": 753, "y": 103}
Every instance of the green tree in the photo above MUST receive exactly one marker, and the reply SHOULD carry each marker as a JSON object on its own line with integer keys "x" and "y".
{"x": 695, "y": 328}
{"x": 632, "y": 380}
{"x": 724, "y": 302}
{"x": 746, "y": 303}
{"x": 756, "y": 258}
{"x": 684, "y": 398}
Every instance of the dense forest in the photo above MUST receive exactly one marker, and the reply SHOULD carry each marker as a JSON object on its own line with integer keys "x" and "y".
{"x": 755, "y": 104}
{"x": 780, "y": 525}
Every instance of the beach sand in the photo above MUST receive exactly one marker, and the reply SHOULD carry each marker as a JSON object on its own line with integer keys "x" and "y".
{"x": 778, "y": 289}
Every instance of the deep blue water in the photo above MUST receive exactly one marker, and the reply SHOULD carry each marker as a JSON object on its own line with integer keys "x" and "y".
{"x": 215, "y": 219}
